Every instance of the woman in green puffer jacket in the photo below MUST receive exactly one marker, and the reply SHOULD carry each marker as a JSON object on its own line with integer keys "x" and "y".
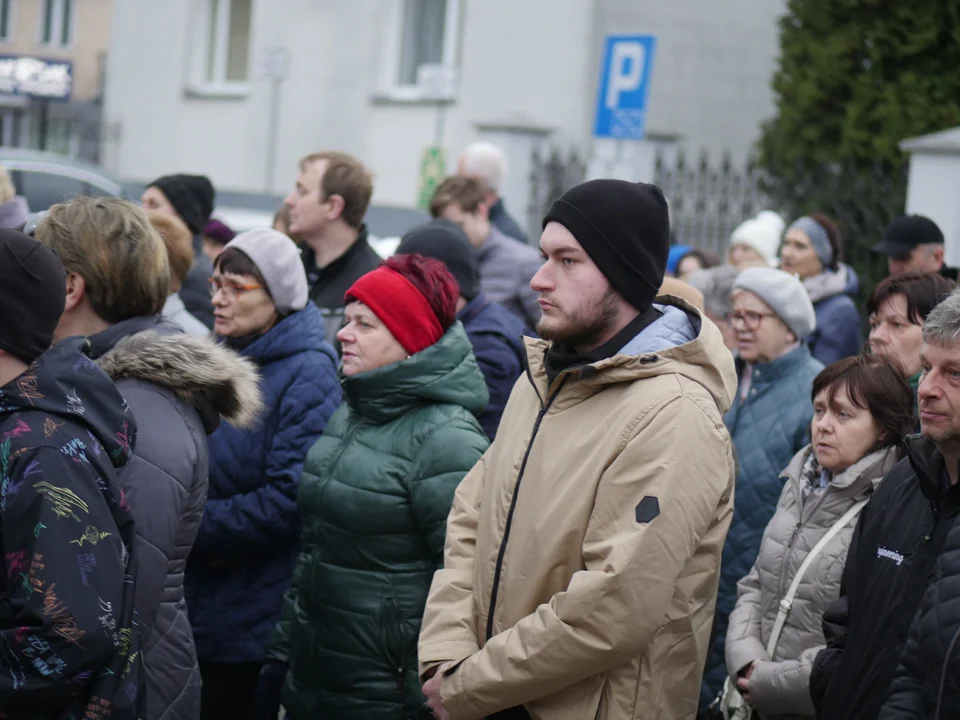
{"x": 373, "y": 501}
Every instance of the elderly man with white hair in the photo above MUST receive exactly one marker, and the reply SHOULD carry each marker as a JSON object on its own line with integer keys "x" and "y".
{"x": 487, "y": 163}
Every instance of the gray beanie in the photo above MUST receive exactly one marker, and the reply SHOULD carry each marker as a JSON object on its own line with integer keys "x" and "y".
{"x": 785, "y": 295}
{"x": 278, "y": 260}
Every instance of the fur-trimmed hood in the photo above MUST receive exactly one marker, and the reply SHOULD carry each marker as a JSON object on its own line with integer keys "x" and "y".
{"x": 197, "y": 369}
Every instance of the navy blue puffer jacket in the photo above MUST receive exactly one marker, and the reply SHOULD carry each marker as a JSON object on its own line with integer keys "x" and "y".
{"x": 494, "y": 333}
{"x": 243, "y": 559}
{"x": 768, "y": 428}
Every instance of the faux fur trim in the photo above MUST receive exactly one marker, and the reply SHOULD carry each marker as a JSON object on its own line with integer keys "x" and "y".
{"x": 190, "y": 366}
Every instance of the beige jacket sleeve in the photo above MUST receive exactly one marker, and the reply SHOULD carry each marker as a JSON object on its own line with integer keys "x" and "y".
{"x": 448, "y": 632}
{"x": 611, "y": 611}
{"x": 744, "y": 644}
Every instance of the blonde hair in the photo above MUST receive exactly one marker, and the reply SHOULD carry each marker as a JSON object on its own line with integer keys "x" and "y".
{"x": 7, "y": 190}
{"x": 111, "y": 244}
{"x": 179, "y": 243}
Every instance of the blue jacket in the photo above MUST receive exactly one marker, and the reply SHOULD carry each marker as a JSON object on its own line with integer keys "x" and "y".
{"x": 494, "y": 333}
{"x": 243, "y": 559}
{"x": 768, "y": 429}
{"x": 839, "y": 333}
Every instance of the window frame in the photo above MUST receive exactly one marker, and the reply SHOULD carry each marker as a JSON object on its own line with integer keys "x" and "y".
{"x": 390, "y": 86}
{"x": 213, "y": 82}
{"x": 9, "y": 5}
{"x": 63, "y": 24}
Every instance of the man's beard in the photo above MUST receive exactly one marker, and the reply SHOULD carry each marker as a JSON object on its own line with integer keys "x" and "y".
{"x": 582, "y": 329}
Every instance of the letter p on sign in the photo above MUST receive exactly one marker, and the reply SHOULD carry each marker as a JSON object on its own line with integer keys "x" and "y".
{"x": 626, "y": 70}
{"x": 624, "y": 84}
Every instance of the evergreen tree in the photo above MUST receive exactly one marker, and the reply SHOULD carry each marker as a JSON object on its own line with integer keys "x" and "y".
{"x": 855, "y": 78}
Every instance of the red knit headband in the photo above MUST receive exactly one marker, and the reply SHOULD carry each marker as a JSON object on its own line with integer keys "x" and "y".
{"x": 400, "y": 306}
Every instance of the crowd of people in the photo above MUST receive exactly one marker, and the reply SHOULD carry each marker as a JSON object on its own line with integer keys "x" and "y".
{"x": 609, "y": 477}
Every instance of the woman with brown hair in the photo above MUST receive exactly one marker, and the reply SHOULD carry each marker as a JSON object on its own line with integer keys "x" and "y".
{"x": 861, "y": 412}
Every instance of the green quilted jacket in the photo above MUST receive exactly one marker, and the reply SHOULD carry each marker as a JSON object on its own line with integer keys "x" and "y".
{"x": 373, "y": 502}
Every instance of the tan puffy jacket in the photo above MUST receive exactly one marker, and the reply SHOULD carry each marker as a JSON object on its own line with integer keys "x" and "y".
{"x": 780, "y": 686}
{"x": 593, "y": 526}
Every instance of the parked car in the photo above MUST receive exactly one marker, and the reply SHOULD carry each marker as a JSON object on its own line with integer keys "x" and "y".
{"x": 46, "y": 179}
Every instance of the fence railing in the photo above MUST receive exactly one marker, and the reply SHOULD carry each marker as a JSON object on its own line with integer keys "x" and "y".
{"x": 708, "y": 199}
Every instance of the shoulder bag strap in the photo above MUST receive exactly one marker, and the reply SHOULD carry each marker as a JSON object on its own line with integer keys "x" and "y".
{"x": 787, "y": 602}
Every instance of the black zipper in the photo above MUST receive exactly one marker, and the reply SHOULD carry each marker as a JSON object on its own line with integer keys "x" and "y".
{"x": 544, "y": 407}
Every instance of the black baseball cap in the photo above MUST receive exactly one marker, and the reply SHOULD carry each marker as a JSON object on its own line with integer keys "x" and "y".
{"x": 907, "y": 232}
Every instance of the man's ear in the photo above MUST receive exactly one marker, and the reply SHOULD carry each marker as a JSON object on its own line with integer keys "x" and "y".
{"x": 76, "y": 291}
{"x": 337, "y": 204}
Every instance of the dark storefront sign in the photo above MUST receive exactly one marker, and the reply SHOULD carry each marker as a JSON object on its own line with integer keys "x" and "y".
{"x": 39, "y": 78}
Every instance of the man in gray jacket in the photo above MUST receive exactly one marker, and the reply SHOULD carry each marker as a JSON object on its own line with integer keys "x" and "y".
{"x": 177, "y": 387}
{"x": 506, "y": 265}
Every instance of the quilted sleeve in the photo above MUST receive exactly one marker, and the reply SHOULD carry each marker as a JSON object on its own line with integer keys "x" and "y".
{"x": 266, "y": 518}
{"x": 442, "y": 461}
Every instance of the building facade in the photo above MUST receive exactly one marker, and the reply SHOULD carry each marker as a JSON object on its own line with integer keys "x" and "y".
{"x": 52, "y": 55}
{"x": 241, "y": 89}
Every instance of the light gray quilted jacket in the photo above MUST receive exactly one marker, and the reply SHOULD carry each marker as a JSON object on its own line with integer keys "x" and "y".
{"x": 780, "y": 685}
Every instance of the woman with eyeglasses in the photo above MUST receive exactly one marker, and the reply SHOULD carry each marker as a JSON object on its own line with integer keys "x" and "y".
{"x": 769, "y": 423}
{"x": 243, "y": 560}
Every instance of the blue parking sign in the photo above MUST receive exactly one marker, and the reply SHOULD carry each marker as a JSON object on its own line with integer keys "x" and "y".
{"x": 624, "y": 85}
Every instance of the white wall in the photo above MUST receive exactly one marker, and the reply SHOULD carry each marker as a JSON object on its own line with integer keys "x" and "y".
{"x": 536, "y": 60}
{"x": 932, "y": 191}
{"x": 712, "y": 70}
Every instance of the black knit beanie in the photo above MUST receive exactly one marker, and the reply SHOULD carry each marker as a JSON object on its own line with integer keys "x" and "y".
{"x": 34, "y": 293}
{"x": 192, "y": 197}
{"x": 443, "y": 240}
{"x": 624, "y": 228}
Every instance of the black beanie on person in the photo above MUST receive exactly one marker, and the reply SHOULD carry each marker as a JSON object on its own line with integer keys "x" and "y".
{"x": 34, "y": 294}
{"x": 192, "y": 197}
{"x": 443, "y": 240}
{"x": 625, "y": 229}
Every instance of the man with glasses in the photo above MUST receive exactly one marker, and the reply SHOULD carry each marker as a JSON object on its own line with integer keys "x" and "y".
{"x": 914, "y": 242}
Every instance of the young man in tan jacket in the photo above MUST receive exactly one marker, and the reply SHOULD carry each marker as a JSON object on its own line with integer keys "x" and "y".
{"x": 583, "y": 551}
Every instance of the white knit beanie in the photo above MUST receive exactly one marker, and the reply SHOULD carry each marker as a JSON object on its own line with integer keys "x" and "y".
{"x": 785, "y": 295}
{"x": 762, "y": 234}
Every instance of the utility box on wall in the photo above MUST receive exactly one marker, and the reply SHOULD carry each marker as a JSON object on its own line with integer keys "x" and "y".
{"x": 933, "y": 185}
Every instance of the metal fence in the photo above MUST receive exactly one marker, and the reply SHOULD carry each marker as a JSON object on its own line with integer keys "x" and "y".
{"x": 709, "y": 199}
{"x": 553, "y": 172}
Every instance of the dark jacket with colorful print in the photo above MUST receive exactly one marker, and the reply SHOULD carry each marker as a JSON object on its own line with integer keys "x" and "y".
{"x": 69, "y": 642}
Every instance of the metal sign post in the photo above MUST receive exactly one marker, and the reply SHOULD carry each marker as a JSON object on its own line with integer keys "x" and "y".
{"x": 273, "y": 65}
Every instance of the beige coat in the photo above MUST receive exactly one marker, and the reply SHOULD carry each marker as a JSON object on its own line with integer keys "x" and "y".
{"x": 780, "y": 686}
{"x": 620, "y": 479}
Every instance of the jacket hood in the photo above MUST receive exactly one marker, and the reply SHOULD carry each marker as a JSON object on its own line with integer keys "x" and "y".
{"x": 14, "y": 213}
{"x": 843, "y": 281}
{"x": 300, "y": 331}
{"x": 446, "y": 372}
{"x": 196, "y": 369}
{"x": 65, "y": 382}
{"x": 680, "y": 341}
{"x": 869, "y": 470}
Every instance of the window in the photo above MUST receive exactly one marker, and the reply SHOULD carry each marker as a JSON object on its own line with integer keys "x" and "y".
{"x": 422, "y": 39}
{"x": 6, "y": 20}
{"x": 56, "y": 26}
{"x": 228, "y": 42}
{"x": 426, "y": 34}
